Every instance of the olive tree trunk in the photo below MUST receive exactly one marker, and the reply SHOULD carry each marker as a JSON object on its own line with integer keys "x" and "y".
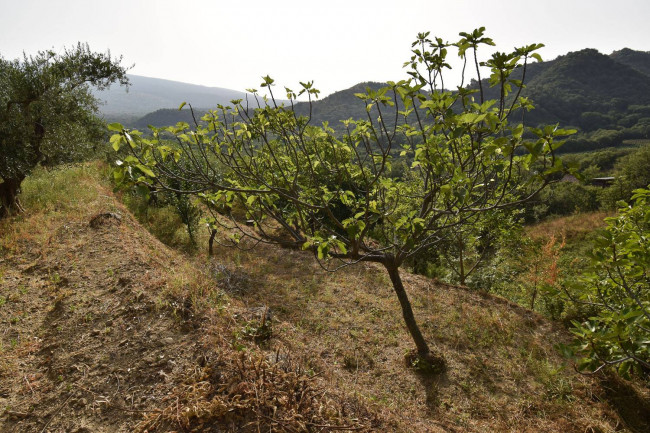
{"x": 9, "y": 190}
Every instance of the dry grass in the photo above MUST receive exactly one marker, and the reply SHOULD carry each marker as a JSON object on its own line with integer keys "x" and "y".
{"x": 504, "y": 373}
{"x": 103, "y": 326}
{"x": 569, "y": 227}
{"x": 244, "y": 391}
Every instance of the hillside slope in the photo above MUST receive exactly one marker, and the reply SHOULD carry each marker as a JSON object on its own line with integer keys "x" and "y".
{"x": 105, "y": 329}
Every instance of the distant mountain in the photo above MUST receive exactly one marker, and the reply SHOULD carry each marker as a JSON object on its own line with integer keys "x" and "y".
{"x": 605, "y": 96}
{"x": 582, "y": 82}
{"x": 149, "y": 94}
{"x": 333, "y": 108}
{"x": 639, "y": 60}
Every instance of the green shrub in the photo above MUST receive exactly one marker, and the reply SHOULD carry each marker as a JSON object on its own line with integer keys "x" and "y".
{"x": 617, "y": 284}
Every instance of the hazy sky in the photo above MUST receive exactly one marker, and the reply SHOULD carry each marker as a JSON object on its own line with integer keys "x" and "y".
{"x": 336, "y": 43}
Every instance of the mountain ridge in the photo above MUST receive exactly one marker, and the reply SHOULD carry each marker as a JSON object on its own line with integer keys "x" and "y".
{"x": 584, "y": 89}
{"x": 147, "y": 94}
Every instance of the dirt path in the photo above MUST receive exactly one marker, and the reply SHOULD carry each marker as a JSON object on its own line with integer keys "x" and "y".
{"x": 105, "y": 329}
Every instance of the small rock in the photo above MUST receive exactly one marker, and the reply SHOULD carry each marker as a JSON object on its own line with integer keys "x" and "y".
{"x": 105, "y": 219}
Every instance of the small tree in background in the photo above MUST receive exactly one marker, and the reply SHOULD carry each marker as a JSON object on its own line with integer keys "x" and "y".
{"x": 631, "y": 172}
{"x": 470, "y": 248}
{"x": 541, "y": 274}
{"x": 617, "y": 285}
{"x": 302, "y": 185}
{"x": 47, "y": 113}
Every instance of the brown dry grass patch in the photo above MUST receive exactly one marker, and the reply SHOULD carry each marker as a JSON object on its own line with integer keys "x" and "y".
{"x": 569, "y": 227}
{"x": 504, "y": 373}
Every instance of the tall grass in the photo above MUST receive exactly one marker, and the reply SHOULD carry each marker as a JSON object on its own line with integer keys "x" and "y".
{"x": 61, "y": 189}
{"x": 51, "y": 195}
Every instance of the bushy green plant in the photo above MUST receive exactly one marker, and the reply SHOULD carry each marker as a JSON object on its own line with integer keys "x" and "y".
{"x": 618, "y": 284}
{"x": 565, "y": 198}
{"x": 161, "y": 217}
{"x": 631, "y": 171}
{"x": 467, "y": 250}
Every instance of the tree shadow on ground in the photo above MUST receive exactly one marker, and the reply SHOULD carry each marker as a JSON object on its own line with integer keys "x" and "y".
{"x": 631, "y": 406}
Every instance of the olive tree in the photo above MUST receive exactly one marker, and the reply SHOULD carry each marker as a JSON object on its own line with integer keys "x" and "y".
{"x": 47, "y": 113}
{"x": 304, "y": 185}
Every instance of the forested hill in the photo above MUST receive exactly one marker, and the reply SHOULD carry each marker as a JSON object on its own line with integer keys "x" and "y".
{"x": 339, "y": 105}
{"x": 639, "y": 60}
{"x": 583, "y": 89}
{"x": 167, "y": 117}
{"x": 571, "y": 87}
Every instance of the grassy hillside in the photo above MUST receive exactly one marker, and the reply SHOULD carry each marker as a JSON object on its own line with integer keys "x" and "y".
{"x": 107, "y": 329}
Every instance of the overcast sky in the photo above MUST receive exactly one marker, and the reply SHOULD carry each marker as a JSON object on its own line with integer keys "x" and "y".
{"x": 336, "y": 43}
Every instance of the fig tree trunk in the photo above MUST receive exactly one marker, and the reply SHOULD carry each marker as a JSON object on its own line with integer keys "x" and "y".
{"x": 407, "y": 311}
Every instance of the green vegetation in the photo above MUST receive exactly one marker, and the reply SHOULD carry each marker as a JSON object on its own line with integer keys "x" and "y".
{"x": 631, "y": 172}
{"x": 47, "y": 113}
{"x": 624, "y": 169}
{"x": 173, "y": 218}
{"x": 617, "y": 286}
{"x": 339, "y": 329}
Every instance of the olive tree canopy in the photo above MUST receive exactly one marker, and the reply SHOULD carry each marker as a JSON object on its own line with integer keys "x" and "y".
{"x": 47, "y": 112}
